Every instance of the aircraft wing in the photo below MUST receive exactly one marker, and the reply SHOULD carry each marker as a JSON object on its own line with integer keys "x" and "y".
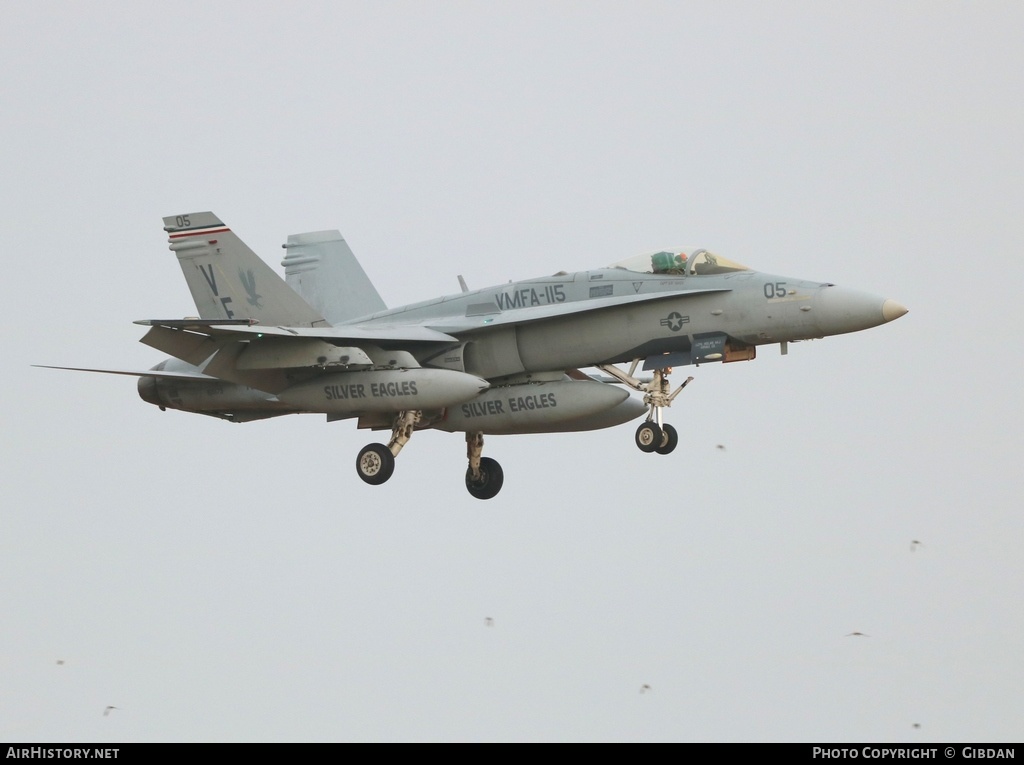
{"x": 354, "y": 333}
{"x": 261, "y": 356}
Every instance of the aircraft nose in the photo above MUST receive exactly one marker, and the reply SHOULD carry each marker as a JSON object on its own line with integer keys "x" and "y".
{"x": 840, "y": 310}
{"x": 892, "y": 310}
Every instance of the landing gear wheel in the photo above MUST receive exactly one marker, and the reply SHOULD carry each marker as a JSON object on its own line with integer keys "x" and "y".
{"x": 648, "y": 436}
{"x": 490, "y": 480}
{"x": 375, "y": 464}
{"x": 669, "y": 440}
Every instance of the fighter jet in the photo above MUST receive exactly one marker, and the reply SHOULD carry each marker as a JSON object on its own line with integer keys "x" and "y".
{"x": 492, "y": 361}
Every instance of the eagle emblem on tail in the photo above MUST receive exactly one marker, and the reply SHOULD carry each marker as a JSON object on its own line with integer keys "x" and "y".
{"x": 249, "y": 282}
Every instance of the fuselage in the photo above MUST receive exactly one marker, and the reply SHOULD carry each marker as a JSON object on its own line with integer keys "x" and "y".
{"x": 531, "y": 332}
{"x": 614, "y": 315}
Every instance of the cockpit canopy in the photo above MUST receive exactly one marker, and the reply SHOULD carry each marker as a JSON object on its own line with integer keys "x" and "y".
{"x": 685, "y": 262}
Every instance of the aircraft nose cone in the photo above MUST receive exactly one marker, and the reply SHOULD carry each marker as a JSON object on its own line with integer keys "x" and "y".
{"x": 892, "y": 310}
{"x": 841, "y": 309}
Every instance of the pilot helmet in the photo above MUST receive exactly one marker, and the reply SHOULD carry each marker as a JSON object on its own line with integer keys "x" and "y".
{"x": 662, "y": 261}
{"x": 665, "y": 262}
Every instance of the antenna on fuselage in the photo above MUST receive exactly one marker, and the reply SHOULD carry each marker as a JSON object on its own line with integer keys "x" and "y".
{"x": 462, "y": 283}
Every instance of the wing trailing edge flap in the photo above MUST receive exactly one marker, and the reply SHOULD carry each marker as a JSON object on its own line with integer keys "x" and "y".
{"x": 190, "y": 347}
{"x": 217, "y": 358}
{"x": 273, "y": 352}
{"x": 260, "y": 361}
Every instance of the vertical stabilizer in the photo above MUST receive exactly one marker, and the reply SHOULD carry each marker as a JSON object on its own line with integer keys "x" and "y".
{"x": 228, "y": 280}
{"x": 321, "y": 268}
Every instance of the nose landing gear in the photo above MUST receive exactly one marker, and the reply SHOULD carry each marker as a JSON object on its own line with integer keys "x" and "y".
{"x": 653, "y": 435}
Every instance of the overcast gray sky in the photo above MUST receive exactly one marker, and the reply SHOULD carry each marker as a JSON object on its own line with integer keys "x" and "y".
{"x": 221, "y": 582}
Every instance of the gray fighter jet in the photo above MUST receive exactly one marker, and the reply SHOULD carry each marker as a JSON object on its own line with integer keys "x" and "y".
{"x": 499, "y": 360}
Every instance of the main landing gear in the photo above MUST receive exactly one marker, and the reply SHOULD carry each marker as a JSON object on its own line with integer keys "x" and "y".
{"x": 376, "y": 462}
{"x": 484, "y": 476}
{"x": 653, "y": 435}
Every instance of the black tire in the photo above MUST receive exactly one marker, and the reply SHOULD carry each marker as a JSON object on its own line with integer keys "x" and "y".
{"x": 648, "y": 437}
{"x": 490, "y": 481}
{"x": 375, "y": 464}
{"x": 669, "y": 440}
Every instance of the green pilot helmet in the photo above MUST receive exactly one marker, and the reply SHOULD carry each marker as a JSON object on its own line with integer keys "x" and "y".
{"x": 668, "y": 263}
